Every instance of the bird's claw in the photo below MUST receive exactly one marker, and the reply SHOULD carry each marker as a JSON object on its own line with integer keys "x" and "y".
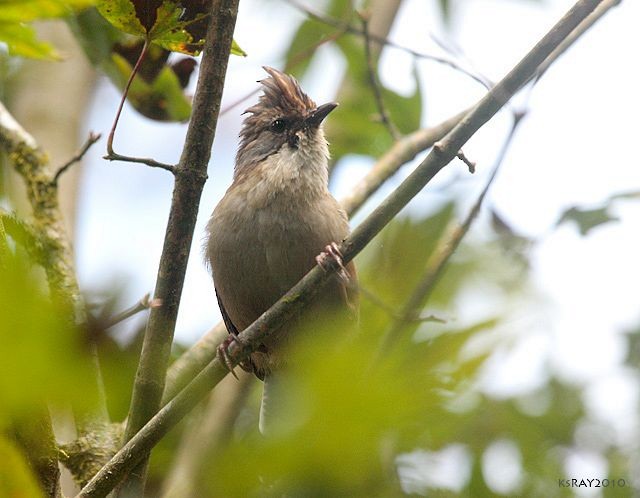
{"x": 222, "y": 352}
{"x": 332, "y": 251}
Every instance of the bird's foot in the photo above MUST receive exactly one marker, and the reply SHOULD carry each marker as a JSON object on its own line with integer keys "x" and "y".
{"x": 332, "y": 252}
{"x": 222, "y": 352}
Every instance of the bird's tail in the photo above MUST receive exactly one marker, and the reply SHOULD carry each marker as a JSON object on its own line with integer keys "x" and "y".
{"x": 268, "y": 408}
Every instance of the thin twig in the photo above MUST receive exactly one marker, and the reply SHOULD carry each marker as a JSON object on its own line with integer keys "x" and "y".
{"x": 400, "y": 153}
{"x": 373, "y": 81}
{"x": 293, "y": 62}
{"x": 112, "y": 156}
{"x": 301, "y": 294}
{"x": 143, "y": 304}
{"x": 125, "y": 92}
{"x": 470, "y": 164}
{"x": 395, "y": 314}
{"x": 91, "y": 139}
{"x": 380, "y": 40}
{"x": 445, "y": 248}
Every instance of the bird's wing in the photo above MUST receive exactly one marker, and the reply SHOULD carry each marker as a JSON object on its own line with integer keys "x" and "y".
{"x": 231, "y": 328}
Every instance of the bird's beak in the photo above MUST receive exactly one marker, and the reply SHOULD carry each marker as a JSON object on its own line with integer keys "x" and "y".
{"x": 319, "y": 113}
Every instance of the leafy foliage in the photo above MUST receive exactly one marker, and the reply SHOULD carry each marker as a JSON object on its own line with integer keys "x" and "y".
{"x": 20, "y": 37}
{"x": 16, "y": 478}
{"x": 176, "y": 25}
{"x": 43, "y": 356}
{"x": 589, "y": 218}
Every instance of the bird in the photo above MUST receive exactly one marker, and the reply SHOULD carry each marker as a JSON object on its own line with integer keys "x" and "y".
{"x": 277, "y": 221}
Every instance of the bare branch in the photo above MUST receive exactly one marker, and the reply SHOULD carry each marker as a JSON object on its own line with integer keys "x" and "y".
{"x": 470, "y": 164}
{"x": 133, "y": 74}
{"x": 302, "y": 293}
{"x": 403, "y": 151}
{"x": 143, "y": 304}
{"x": 32, "y": 163}
{"x": 191, "y": 173}
{"x": 395, "y": 314}
{"x": 112, "y": 156}
{"x": 373, "y": 81}
{"x": 346, "y": 27}
{"x": 91, "y": 139}
{"x": 444, "y": 250}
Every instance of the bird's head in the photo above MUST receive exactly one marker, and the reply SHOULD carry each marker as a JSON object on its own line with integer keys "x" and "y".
{"x": 285, "y": 120}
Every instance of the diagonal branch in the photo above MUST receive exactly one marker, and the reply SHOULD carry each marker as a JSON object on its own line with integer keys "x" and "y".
{"x": 191, "y": 174}
{"x": 443, "y": 252}
{"x": 403, "y": 151}
{"x": 301, "y": 294}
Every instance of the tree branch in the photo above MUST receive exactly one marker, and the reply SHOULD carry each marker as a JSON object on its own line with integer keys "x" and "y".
{"x": 191, "y": 174}
{"x": 184, "y": 369}
{"x": 91, "y": 139}
{"x": 373, "y": 81}
{"x": 445, "y": 248}
{"x": 113, "y": 156}
{"x": 294, "y": 300}
{"x": 31, "y": 162}
{"x": 403, "y": 151}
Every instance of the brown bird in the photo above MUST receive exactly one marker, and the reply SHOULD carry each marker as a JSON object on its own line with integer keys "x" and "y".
{"x": 277, "y": 220}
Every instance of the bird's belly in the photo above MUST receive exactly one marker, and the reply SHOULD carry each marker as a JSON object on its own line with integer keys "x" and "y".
{"x": 272, "y": 256}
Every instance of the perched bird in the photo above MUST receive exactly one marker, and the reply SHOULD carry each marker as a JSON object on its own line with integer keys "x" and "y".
{"x": 277, "y": 219}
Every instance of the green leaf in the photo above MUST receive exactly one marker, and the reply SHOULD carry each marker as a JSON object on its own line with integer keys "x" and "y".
{"x": 21, "y": 11}
{"x": 587, "y": 219}
{"x": 357, "y": 128}
{"x": 22, "y": 41}
{"x": 177, "y": 25}
{"x": 309, "y": 36}
{"x": 16, "y": 478}
{"x": 20, "y": 38}
{"x": 43, "y": 356}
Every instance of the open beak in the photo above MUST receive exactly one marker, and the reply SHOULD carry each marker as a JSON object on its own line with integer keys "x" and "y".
{"x": 319, "y": 113}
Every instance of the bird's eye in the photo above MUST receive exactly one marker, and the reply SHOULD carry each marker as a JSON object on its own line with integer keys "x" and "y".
{"x": 279, "y": 125}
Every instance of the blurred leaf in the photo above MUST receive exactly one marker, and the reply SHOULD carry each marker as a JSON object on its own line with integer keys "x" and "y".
{"x": 42, "y": 356}
{"x": 445, "y": 9}
{"x": 587, "y": 219}
{"x": 162, "y": 100}
{"x": 30, "y": 10}
{"x": 20, "y": 37}
{"x": 394, "y": 261}
{"x": 22, "y": 41}
{"x": 96, "y": 36}
{"x": 633, "y": 195}
{"x": 309, "y": 35}
{"x": 23, "y": 234}
{"x": 16, "y": 478}
{"x": 358, "y": 129}
{"x": 177, "y": 25}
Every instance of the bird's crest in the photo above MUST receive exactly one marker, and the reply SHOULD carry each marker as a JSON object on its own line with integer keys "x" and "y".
{"x": 282, "y": 92}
